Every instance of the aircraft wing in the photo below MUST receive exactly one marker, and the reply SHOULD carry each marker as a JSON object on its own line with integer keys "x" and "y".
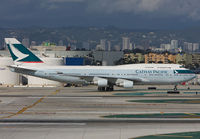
{"x": 110, "y": 79}
{"x": 22, "y": 70}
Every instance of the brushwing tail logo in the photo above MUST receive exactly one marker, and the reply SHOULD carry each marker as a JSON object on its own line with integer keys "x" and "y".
{"x": 175, "y": 72}
{"x": 20, "y": 53}
{"x": 17, "y": 53}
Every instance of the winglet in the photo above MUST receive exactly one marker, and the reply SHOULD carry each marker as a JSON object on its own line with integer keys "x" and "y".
{"x": 19, "y": 53}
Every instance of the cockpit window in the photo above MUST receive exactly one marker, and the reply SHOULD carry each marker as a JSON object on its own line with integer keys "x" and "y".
{"x": 181, "y": 67}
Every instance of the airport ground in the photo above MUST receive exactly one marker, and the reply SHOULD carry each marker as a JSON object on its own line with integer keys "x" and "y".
{"x": 85, "y": 113}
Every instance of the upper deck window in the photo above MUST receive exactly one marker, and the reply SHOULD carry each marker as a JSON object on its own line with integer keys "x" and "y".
{"x": 164, "y": 67}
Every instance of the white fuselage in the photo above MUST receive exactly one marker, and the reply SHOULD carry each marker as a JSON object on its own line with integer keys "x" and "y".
{"x": 138, "y": 73}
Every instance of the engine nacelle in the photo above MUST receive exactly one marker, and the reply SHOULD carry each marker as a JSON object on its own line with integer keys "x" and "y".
{"x": 124, "y": 83}
{"x": 101, "y": 82}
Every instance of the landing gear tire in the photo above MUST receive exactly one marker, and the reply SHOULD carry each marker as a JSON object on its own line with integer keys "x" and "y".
{"x": 109, "y": 88}
{"x": 101, "y": 88}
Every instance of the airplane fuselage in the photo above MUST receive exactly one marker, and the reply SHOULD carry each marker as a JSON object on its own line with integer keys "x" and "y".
{"x": 138, "y": 73}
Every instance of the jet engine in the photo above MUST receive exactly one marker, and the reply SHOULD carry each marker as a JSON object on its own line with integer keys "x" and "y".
{"x": 124, "y": 83}
{"x": 101, "y": 82}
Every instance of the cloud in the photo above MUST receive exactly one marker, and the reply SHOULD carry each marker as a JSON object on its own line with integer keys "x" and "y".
{"x": 111, "y": 6}
{"x": 56, "y": 4}
{"x": 187, "y": 8}
{"x": 155, "y": 8}
{"x": 100, "y": 12}
{"x": 57, "y": 1}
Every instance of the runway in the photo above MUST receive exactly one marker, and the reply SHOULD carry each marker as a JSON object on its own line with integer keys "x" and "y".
{"x": 86, "y": 113}
{"x": 91, "y": 130}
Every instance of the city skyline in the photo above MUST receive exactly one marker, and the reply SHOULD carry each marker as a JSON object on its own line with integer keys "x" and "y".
{"x": 106, "y": 38}
{"x": 126, "y": 44}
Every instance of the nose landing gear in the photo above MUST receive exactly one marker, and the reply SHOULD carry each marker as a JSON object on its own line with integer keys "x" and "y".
{"x": 174, "y": 90}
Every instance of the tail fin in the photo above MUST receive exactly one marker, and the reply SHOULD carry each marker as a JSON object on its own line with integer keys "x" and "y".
{"x": 19, "y": 53}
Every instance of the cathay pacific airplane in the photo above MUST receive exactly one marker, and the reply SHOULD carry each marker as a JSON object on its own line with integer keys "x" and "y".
{"x": 105, "y": 77}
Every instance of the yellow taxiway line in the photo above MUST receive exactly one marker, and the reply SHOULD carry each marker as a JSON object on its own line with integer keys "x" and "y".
{"x": 30, "y": 106}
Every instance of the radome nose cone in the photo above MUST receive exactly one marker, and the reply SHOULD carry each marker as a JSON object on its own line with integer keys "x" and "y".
{"x": 194, "y": 76}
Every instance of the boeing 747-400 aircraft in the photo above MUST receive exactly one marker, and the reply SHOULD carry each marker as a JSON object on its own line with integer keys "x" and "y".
{"x": 105, "y": 77}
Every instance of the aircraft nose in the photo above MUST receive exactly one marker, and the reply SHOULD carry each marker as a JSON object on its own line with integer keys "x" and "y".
{"x": 194, "y": 76}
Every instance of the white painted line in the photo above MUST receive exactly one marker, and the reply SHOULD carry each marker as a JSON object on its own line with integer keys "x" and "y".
{"x": 108, "y": 112}
{"x": 69, "y": 97}
{"x": 33, "y": 123}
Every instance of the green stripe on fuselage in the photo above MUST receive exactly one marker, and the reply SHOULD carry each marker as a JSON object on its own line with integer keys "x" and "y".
{"x": 183, "y": 72}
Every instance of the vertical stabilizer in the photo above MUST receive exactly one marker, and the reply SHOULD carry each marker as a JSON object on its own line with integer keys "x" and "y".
{"x": 19, "y": 53}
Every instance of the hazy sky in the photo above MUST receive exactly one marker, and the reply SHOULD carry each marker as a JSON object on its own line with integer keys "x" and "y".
{"x": 135, "y": 14}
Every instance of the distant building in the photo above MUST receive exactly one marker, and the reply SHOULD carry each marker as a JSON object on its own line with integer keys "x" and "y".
{"x": 125, "y": 43}
{"x": 134, "y": 58}
{"x": 157, "y": 49}
{"x": 188, "y": 47}
{"x": 109, "y": 46}
{"x": 33, "y": 43}
{"x": 60, "y": 43}
{"x": 108, "y": 58}
{"x": 5, "y": 47}
{"x": 86, "y": 46}
{"x": 166, "y": 47}
{"x": 103, "y": 44}
{"x": 73, "y": 47}
{"x": 174, "y": 44}
{"x": 162, "y": 46}
{"x": 99, "y": 47}
{"x": 185, "y": 46}
{"x": 26, "y": 42}
{"x": 160, "y": 58}
{"x": 195, "y": 47}
{"x": 139, "y": 47}
{"x": 117, "y": 48}
{"x": 49, "y": 48}
{"x": 131, "y": 46}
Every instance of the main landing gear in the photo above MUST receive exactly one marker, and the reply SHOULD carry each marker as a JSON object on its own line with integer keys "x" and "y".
{"x": 175, "y": 91}
{"x": 175, "y": 88}
{"x": 109, "y": 88}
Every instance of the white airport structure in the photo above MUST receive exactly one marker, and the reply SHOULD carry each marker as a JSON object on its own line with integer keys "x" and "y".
{"x": 7, "y": 78}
